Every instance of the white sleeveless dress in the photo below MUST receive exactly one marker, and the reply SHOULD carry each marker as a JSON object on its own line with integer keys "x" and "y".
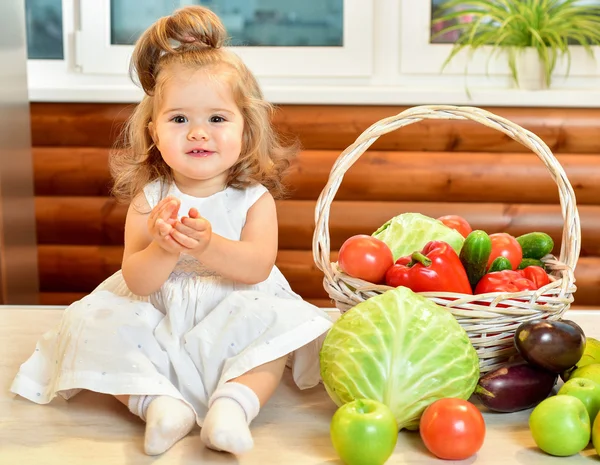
{"x": 196, "y": 332}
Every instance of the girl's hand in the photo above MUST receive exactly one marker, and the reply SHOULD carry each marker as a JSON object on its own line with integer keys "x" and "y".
{"x": 193, "y": 233}
{"x": 160, "y": 224}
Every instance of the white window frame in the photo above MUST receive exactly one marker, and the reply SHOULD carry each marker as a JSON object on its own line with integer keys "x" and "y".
{"x": 398, "y": 67}
{"x": 101, "y": 57}
{"x": 419, "y": 56}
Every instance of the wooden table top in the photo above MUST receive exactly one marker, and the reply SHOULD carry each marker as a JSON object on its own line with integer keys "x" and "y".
{"x": 293, "y": 428}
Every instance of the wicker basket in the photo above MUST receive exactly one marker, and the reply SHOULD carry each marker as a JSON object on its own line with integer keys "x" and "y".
{"x": 490, "y": 319}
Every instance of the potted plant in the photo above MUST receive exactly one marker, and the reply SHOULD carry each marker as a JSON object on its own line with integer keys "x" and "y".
{"x": 532, "y": 33}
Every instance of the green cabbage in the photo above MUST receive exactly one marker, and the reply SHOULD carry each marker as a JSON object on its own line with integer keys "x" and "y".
{"x": 409, "y": 232}
{"x": 401, "y": 349}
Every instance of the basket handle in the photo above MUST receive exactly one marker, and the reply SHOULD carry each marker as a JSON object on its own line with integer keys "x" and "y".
{"x": 571, "y": 236}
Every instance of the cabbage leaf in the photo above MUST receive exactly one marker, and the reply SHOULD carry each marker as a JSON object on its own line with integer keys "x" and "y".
{"x": 409, "y": 232}
{"x": 401, "y": 349}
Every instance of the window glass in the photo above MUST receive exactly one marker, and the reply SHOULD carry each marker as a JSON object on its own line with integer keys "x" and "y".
{"x": 43, "y": 19}
{"x": 248, "y": 22}
{"x": 451, "y": 36}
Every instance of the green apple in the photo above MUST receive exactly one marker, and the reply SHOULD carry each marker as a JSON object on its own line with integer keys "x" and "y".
{"x": 591, "y": 371}
{"x": 587, "y": 391}
{"x": 591, "y": 354}
{"x": 364, "y": 432}
{"x": 560, "y": 425}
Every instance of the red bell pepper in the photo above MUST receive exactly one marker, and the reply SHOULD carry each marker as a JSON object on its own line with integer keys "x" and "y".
{"x": 436, "y": 268}
{"x": 504, "y": 281}
{"x": 536, "y": 274}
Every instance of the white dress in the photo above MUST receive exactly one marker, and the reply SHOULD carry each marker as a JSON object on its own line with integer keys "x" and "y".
{"x": 196, "y": 332}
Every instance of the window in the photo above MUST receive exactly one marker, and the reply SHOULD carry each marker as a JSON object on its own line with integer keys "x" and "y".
{"x": 274, "y": 37}
{"x": 303, "y": 52}
{"x": 43, "y": 20}
{"x": 420, "y": 56}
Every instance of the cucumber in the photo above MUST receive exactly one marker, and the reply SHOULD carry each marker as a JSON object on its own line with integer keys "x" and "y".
{"x": 474, "y": 255}
{"x": 535, "y": 244}
{"x": 530, "y": 262}
{"x": 500, "y": 264}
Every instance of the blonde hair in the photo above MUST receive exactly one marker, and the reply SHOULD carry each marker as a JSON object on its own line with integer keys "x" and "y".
{"x": 199, "y": 36}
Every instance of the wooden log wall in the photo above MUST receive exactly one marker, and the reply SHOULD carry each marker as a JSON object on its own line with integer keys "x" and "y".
{"x": 432, "y": 167}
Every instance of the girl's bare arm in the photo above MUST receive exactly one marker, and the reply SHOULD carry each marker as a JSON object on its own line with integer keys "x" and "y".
{"x": 147, "y": 263}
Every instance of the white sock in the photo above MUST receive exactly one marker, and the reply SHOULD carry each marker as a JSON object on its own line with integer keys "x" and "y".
{"x": 231, "y": 409}
{"x": 167, "y": 421}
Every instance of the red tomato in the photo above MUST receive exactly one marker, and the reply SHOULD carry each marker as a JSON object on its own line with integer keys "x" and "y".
{"x": 452, "y": 429}
{"x": 365, "y": 257}
{"x": 505, "y": 245}
{"x": 458, "y": 223}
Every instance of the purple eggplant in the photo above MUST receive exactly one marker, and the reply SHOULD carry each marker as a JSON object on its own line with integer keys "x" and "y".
{"x": 552, "y": 345}
{"x": 515, "y": 387}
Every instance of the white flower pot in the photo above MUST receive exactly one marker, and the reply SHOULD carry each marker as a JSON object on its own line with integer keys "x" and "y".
{"x": 530, "y": 70}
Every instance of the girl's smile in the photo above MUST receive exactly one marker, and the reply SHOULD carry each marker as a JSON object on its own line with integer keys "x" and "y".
{"x": 200, "y": 153}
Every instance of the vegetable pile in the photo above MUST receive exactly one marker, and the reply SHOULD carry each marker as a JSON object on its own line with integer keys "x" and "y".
{"x": 446, "y": 255}
{"x": 400, "y": 355}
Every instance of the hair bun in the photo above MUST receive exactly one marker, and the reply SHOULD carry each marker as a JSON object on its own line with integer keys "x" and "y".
{"x": 191, "y": 27}
{"x": 195, "y": 25}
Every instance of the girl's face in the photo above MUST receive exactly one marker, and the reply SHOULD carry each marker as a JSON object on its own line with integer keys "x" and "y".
{"x": 198, "y": 130}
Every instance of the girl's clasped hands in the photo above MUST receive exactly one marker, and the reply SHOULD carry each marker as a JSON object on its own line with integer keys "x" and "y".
{"x": 190, "y": 234}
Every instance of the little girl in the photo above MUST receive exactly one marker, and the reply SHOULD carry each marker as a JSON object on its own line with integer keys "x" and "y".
{"x": 198, "y": 324}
